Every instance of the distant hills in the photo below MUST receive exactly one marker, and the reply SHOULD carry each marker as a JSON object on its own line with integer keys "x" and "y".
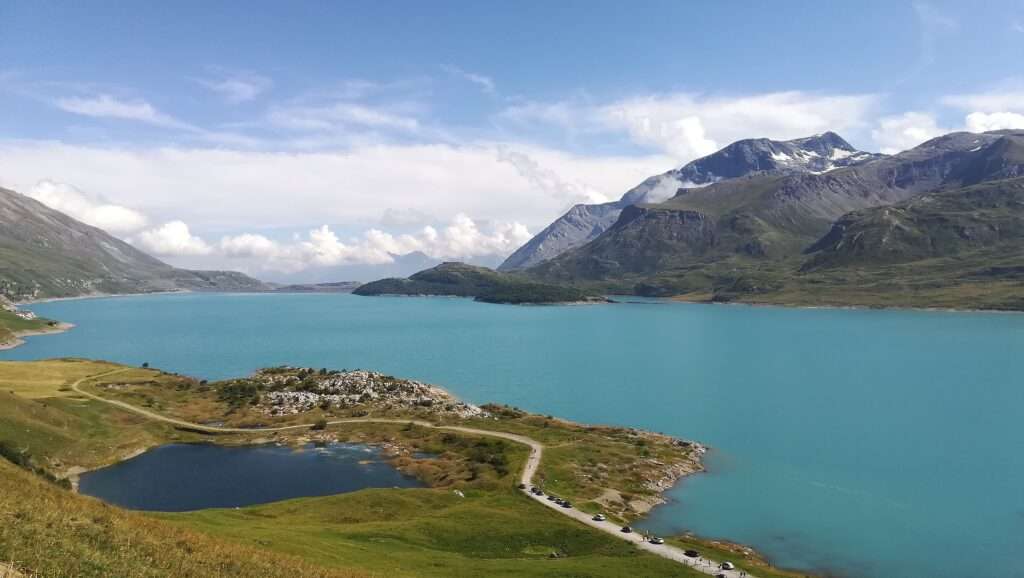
{"x": 481, "y": 283}
{"x": 937, "y": 225}
{"x": 584, "y": 223}
{"x": 45, "y": 253}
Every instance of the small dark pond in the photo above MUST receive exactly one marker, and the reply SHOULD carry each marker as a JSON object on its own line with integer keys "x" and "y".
{"x": 183, "y": 477}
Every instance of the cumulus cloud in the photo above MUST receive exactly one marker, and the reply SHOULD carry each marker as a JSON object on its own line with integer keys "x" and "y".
{"x": 666, "y": 188}
{"x": 550, "y": 181}
{"x": 90, "y": 209}
{"x": 239, "y": 87}
{"x": 106, "y": 106}
{"x": 982, "y": 122}
{"x": 1009, "y": 96}
{"x": 172, "y": 239}
{"x": 901, "y": 132}
{"x": 238, "y": 190}
{"x": 686, "y": 126}
{"x": 462, "y": 238}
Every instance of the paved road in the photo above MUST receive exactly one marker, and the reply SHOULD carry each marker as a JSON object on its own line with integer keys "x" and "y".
{"x": 529, "y": 470}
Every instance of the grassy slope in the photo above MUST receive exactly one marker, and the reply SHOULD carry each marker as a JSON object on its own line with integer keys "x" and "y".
{"x": 11, "y": 325}
{"x": 48, "y": 531}
{"x": 431, "y": 533}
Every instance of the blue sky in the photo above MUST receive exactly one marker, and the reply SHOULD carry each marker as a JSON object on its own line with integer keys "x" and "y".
{"x": 279, "y": 137}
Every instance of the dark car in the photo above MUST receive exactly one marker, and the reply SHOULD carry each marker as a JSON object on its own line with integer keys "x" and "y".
{"x": 566, "y": 504}
{"x": 551, "y": 498}
{"x": 692, "y": 554}
{"x": 522, "y": 486}
{"x": 626, "y": 530}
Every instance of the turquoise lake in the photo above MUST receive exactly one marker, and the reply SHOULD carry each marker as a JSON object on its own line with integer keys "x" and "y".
{"x": 857, "y": 442}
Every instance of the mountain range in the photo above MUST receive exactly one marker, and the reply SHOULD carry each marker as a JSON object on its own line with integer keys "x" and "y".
{"x": 45, "y": 253}
{"x": 584, "y": 223}
{"x": 932, "y": 223}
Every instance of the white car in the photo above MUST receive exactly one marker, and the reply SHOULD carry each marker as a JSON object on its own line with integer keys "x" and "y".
{"x": 728, "y": 566}
{"x": 599, "y": 518}
{"x": 657, "y": 540}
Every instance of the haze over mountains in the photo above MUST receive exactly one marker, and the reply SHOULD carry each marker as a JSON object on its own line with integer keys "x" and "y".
{"x": 45, "y": 253}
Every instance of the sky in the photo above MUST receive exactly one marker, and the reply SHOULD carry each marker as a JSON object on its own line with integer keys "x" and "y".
{"x": 284, "y": 138}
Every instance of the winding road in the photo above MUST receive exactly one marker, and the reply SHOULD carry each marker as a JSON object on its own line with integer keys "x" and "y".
{"x": 701, "y": 564}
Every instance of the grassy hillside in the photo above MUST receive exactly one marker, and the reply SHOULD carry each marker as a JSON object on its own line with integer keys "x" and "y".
{"x": 48, "y": 531}
{"x": 481, "y": 283}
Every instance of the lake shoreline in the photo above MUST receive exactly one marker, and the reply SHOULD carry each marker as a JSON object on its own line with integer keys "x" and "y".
{"x": 772, "y": 305}
{"x": 17, "y": 341}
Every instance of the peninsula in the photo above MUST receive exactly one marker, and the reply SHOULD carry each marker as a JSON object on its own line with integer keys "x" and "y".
{"x": 60, "y": 418}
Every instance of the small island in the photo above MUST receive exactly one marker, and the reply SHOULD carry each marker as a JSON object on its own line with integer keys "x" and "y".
{"x": 480, "y": 283}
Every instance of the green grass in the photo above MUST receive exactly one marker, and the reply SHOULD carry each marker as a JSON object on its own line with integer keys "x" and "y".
{"x": 49, "y": 531}
{"x": 431, "y": 533}
{"x": 11, "y": 325}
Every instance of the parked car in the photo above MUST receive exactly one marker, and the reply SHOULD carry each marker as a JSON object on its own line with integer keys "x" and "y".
{"x": 692, "y": 554}
{"x": 566, "y": 504}
{"x": 551, "y": 498}
{"x": 599, "y": 518}
{"x": 522, "y": 486}
{"x": 656, "y": 540}
{"x": 727, "y": 566}
{"x": 626, "y": 530}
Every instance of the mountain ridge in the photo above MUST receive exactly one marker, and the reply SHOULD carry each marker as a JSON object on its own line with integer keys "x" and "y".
{"x": 45, "y": 254}
{"x": 583, "y": 223}
{"x": 751, "y": 237}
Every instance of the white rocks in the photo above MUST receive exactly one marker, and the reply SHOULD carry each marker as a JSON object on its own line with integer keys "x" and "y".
{"x": 295, "y": 391}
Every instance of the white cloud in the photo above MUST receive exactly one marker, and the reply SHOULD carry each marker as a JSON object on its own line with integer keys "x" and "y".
{"x": 982, "y": 121}
{"x": 686, "y": 126}
{"x": 239, "y": 87}
{"x": 898, "y": 133}
{"x": 172, "y": 239}
{"x": 485, "y": 83}
{"x": 462, "y": 238}
{"x": 664, "y": 189}
{"x": 106, "y": 106}
{"x": 338, "y": 116}
{"x": 239, "y": 190}
{"x": 90, "y": 209}
{"x": 550, "y": 181}
{"x": 1006, "y": 98}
